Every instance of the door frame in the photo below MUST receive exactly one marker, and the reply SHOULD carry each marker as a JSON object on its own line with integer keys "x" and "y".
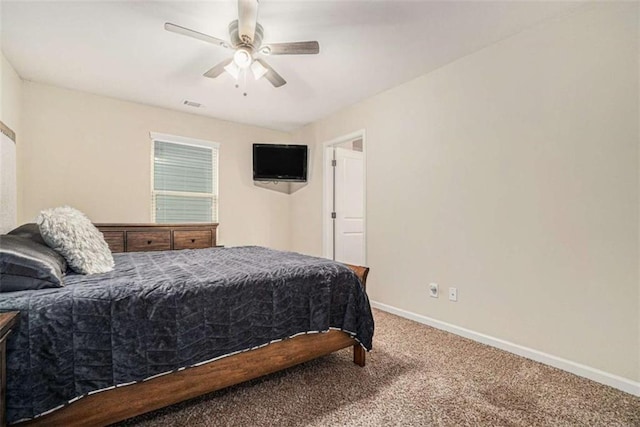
{"x": 327, "y": 190}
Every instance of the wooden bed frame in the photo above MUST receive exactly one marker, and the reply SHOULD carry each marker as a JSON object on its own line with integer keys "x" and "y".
{"x": 120, "y": 403}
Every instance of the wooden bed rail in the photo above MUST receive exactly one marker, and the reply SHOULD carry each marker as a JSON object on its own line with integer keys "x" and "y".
{"x": 120, "y": 403}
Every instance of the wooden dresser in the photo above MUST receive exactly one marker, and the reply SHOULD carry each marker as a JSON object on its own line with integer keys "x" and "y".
{"x": 158, "y": 237}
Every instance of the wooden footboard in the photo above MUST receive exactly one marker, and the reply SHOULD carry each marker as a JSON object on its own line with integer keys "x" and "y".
{"x": 118, "y": 404}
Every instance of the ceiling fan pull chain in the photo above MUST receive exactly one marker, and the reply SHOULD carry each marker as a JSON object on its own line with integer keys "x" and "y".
{"x": 244, "y": 80}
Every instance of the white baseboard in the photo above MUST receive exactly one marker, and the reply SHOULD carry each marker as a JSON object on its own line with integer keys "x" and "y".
{"x": 615, "y": 381}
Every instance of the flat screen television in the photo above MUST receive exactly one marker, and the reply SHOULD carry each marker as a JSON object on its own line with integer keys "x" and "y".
{"x": 279, "y": 162}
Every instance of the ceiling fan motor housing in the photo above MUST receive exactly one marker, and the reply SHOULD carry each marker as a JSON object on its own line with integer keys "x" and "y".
{"x": 237, "y": 41}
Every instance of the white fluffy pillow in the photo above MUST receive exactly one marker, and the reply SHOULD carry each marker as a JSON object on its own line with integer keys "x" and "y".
{"x": 70, "y": 233}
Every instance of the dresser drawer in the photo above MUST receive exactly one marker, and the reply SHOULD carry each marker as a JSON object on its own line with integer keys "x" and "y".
{"x": 192, "y": 239}
{"x": 140, "y": 241}
{"x": 115, "y": 240}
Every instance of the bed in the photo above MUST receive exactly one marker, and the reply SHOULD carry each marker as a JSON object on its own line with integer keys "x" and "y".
{"x": 169, "y": 325}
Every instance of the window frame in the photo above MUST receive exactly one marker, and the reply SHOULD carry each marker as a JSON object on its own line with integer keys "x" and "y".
{"x": 215, "y": 166}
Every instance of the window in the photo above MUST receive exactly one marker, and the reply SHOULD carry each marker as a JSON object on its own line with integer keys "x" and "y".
{"x": 184, "y": 179}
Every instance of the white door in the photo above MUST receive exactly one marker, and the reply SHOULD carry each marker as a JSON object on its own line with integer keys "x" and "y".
{"x": 349, "y": 243}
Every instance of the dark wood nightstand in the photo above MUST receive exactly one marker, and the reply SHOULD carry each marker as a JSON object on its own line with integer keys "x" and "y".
{"x": 7, "y": 321}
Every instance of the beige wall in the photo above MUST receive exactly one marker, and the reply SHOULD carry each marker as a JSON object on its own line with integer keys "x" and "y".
{"x": 93, "y": 153}
{"x": 11, "y": 103}
{"x": 511, "y": 174}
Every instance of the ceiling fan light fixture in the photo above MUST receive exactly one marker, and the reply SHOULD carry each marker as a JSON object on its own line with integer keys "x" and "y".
{"x": 233, "y": 69}
{"x": 242, "y": 58}
{"x": 258, "y": 70}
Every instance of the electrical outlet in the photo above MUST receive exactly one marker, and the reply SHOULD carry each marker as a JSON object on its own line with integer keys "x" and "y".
{"x": 453, "y": 294}
{"x": 433, "y": 290}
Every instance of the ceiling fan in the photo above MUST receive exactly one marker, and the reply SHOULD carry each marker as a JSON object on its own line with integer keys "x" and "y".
{"x": 246, "y": 39}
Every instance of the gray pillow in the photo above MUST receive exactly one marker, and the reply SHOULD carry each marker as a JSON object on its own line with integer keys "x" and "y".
{"x": 27, "y": 265}
{"x": 29, "y": 231}
{"x": 70, "y": 233}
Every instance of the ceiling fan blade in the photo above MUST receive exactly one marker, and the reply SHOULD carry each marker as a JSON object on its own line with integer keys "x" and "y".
{"x": 294, "y": 48}
{"x": 247, "y": 19}
{"x": 274, "y": 78}
{"x": 218, "y": 69}
{"x": 196, "y": 35}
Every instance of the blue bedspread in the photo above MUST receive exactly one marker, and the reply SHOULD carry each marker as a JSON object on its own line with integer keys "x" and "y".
{"x": 160, "y": 311}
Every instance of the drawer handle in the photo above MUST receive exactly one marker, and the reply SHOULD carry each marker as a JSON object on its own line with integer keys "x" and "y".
{"x": 149, "y": 242}
{"x": 193, "y": 240}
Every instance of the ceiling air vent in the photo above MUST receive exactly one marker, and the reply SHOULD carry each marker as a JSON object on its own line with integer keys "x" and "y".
{"x": 192, "y": 104}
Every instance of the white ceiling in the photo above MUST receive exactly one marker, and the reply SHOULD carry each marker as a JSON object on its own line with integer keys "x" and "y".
{"x": 120, "y": 49}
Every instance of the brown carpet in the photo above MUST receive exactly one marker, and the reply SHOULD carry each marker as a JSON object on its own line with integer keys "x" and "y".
{"x": 416, "y": 376}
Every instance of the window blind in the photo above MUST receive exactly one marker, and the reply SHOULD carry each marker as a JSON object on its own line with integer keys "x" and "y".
{"x": 184, "y": 183}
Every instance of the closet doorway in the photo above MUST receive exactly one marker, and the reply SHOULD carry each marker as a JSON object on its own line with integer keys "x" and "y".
{"x": 344, "y": 224}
